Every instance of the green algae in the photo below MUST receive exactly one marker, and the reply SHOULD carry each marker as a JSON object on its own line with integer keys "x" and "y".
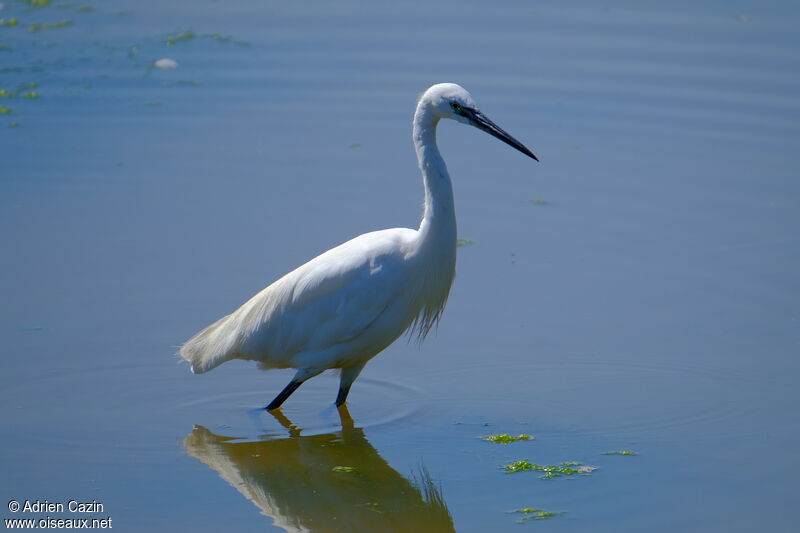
{"x": 8, "y": 23}
{"x": 227, "y": 39}
{"x": 539, "y": 201}
{"x": 39, "y": 26}
{"x": 344, "y": 469}
{"x": 5, "y": 110}
{"x": 218, "y": 37}
{"x": 37, "y": 3}
{"x": 621, "y": 452}
{"x": 505, "y": 438}
{"x": 464, "y": 242}
{"x": 185, "y": 36}
{"x": 568, "y": 468}
{"x": 531, "y": 513}
{"x": 21, "y": 90}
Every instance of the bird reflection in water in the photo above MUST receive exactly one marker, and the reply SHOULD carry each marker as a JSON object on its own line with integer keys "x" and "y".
{"x": 331, "y": 482}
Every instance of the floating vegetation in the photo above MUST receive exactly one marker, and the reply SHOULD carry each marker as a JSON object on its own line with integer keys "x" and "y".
{"x": 37, "y": 3}
{"x": 185, "y": 36}
{"x": 38, "y": 26}
{"x": 569, "y": 468}
{"x": 343, "y": 469}
{"x": 226, "y": 39}
{"x": 85, "y": 9}
{"x": 188, "y": 35}
{"x": 9, "y": 22}
{"x": 505, "y": 438}
{"x": 4, "y": 93}
{"x": 621, "y": 452}
{"x": 534, "y": 514}
{"x": 5, "y": 110}
{"x": 355, "y": 145}
{"x": 464, "y": 242}
{"x": 4, "y": 48}
{"x": 13, "y": 124}
{"x": 539, "y": 201}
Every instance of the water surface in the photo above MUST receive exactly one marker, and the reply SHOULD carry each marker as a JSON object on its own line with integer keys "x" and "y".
{"x": 636, "y": 290}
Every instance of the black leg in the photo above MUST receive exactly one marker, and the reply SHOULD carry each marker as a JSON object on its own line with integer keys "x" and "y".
{"x": 342, "y": 396}
{"x": 349, "y": 375}
{"x": 285, "y": 393}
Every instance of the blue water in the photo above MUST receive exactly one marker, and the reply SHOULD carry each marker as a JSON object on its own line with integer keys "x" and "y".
{"x": 636, "y": 290}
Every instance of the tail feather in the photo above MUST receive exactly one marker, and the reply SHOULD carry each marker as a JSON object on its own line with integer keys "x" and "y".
{"x": 211, "y": 347}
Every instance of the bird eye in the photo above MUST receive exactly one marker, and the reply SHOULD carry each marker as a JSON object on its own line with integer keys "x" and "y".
{"x": 456, "y": 106}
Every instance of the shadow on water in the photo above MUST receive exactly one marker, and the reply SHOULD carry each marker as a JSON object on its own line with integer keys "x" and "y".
{"x": 331, "y": 482}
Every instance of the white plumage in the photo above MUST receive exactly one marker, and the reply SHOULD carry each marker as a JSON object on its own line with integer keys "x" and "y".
{"x": 345, "y": 306}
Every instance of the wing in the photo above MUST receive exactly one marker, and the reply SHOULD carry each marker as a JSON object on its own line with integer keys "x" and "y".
{"x": 331, "y": 299}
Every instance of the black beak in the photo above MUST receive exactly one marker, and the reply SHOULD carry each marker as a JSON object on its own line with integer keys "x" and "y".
{"x": 481, "y": 121}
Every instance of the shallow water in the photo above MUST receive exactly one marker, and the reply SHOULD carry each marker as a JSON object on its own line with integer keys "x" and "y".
{"x": 636, "y": 290}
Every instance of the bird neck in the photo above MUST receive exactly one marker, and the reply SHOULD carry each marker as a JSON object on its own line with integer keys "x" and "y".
{"x": 438, "y": 219}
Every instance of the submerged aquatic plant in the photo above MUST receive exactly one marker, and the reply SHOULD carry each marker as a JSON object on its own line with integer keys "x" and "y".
{"x": 505, "y": 438}
{"x": 5, "y": 93}
{"x": 568, "y": 468}
{"x": 531, "y": 513}
{"x": 185, "y": 36}
{"x": 37, "y": 26}
{"x": 621, "y": 452}
{"x": 227, "y": 39}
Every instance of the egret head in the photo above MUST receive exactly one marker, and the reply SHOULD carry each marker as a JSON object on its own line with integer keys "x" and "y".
{"x": 449, "y": 100}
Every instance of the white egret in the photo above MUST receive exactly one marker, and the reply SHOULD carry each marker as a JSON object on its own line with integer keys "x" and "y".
{"x": 345, "y": 306}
